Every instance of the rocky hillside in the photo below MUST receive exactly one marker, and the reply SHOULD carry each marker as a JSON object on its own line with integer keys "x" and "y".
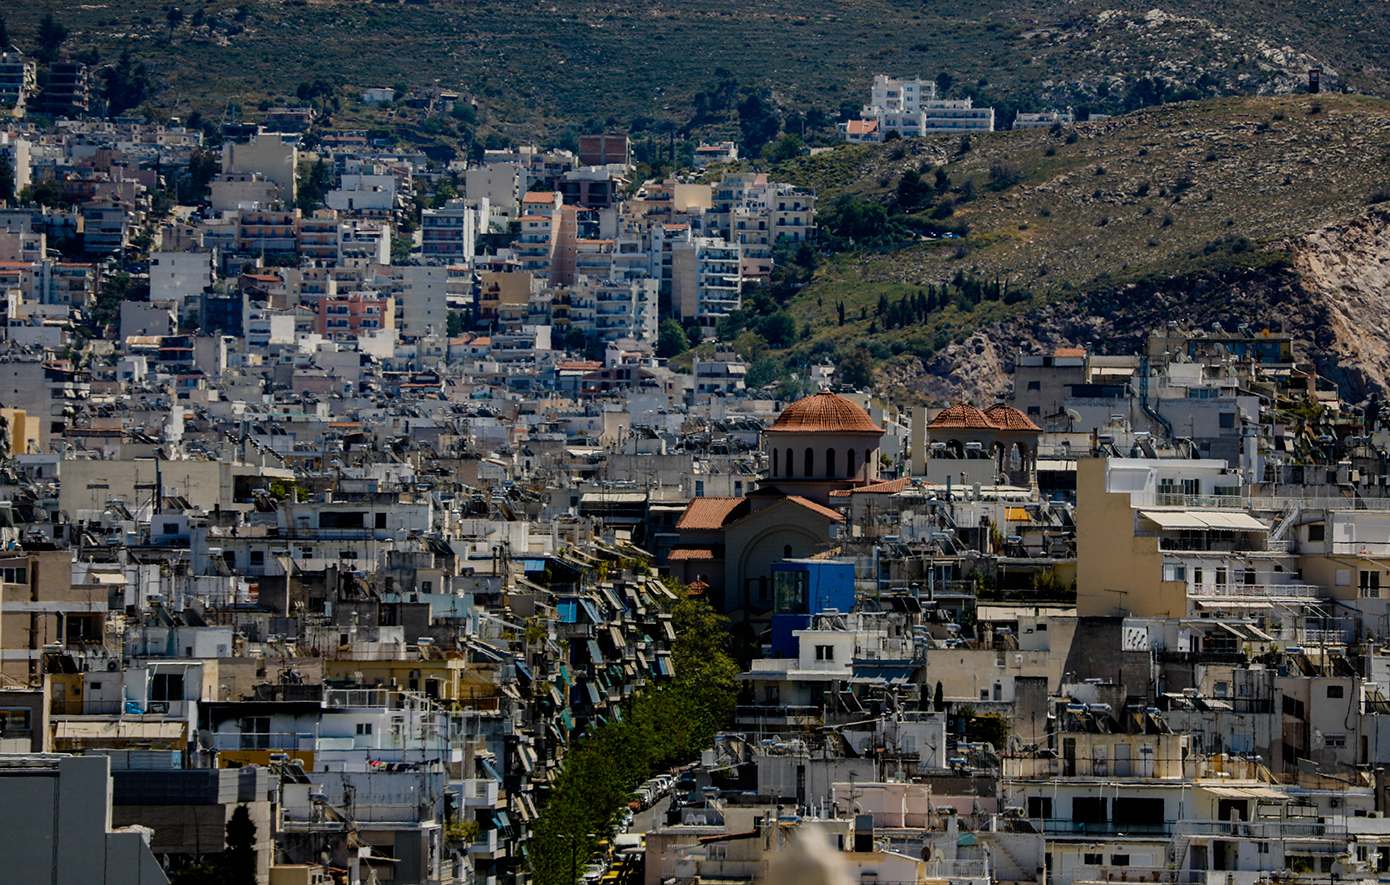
{"x": 1261, "y": 211}
{"x": 537, "y": 68}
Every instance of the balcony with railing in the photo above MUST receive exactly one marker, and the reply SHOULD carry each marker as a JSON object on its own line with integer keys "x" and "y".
{"x": 1304, "y": 831}
{"x": 265, "y": 740}
{"x": 480, "y": 792}
{"x": 1209, "y": 542}
{"x": 1262, "y": 591}
{"x": 776, "y": 716}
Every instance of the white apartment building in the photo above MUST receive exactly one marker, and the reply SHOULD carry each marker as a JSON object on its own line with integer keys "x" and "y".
{"x": 361, "y": 192}
{"x": 1045, "y": 119}
{"x": 423, "y": 303}
{"x": 706, "y": 278}
{"x": 448, "y": 234}
{"x": 626, "y": 309}
{"x": 911, "y": 108}
{"x": 499, "y": 185}
{"x": 180, "y": 276}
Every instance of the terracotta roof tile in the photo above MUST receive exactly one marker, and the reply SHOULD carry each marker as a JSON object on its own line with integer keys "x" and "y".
{"x": 1069, "y": 352}
{"x": 962, "y": 416}
{"x": 816, "y": 508}
{"x": 886, "y": 487}
{"x": 1008, "y": 418}
{"x": 691, "y": 554}
{"x": 824, "y": 413}
{"x": 708, "y": 513}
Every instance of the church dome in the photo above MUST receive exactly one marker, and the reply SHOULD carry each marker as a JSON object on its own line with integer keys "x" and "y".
{"x": 824, "y": 413}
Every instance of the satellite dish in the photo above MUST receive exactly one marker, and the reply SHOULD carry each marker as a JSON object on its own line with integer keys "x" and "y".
{"x": 204, "y": 739}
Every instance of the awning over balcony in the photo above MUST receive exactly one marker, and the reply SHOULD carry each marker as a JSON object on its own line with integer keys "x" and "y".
{"x": 1245, "y": 793}
{"x": 1202, "y": 520}
{"x": 882, "y": 675}
{"x": 1246, "y": 631}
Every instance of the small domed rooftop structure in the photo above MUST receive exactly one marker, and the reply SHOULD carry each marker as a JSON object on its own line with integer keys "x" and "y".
{"x": 819, "y": 444}
{"x": 824, "y": 412}
{"x": 1002, "y": 433}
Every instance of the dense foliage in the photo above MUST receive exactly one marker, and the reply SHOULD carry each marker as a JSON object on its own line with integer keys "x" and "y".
{"x": 661, "y": 726}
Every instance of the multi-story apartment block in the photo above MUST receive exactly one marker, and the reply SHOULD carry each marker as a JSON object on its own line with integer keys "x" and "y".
{"x": 910, "y": 108}
{"x": 266, "y": 232}
{"x": 706, "y": 278}
{"x": 448, "y": 234}
{"x": 347, "y": 316}
{"x": 68, "y": 92}
{"x": 18, "y": 81}
{"x": 319, "y": 237}
{"x": 105, "y": 226}
{"x": 16, "y": 150}
{"x": 626, "y": 309}
{"x": 422, "y": 304}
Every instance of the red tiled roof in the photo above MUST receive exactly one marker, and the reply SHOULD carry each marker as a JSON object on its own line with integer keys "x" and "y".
{"x": 860, "y": 127}
{"x": 962, "y": 416}
{"x": 816, "y": 508}
{"x": 886, "y": 487}
{"x": 1069, "y": 352}
{"x": 688, "y": 554}
{"x": 708, "y": 513}
{"x": 824, "y": 413}
{"x": 1008, "y": 418}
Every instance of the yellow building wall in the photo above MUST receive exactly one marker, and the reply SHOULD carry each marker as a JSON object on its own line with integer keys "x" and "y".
{"x": 22, "y": 430}
{"x": 1116, "y": 572}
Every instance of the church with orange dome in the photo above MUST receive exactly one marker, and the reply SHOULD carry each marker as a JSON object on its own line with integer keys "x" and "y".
{"x": 821, "y": 444}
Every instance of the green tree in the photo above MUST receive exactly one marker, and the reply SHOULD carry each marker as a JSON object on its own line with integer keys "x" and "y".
{"x": 751, "y": 346}
{"x": 764, "y": 371}
{"x": 4, "y": 35}
{"x": 314, "y": 182}
{"x": 788, "y": 147}
{"x": 912, "y": 191}
{"x": 661, "y": 725}
{"x": 44, "y": 193}
{"x": 196, "y": 184}
{"x": 670, "y": 339}
{"x": 857, "y": 369}
{"x": 780, "y": 330}
{"x": 6, "y": 180}
{"x": 174, "y": 17}
{"x": 125, "y": 84}
{"x": 758, "y": 121}
{"x": 50, "y": 37}
{"x": 240, "y": 857}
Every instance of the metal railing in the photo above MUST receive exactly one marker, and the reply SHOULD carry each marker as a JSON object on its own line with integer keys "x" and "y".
{"x": 264, "y": 740}
{"x": 1295, "y": 830}
{"x": 1276, "y": 590}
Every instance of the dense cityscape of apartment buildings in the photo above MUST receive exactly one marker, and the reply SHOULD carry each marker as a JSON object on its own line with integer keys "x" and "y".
{"x": 285, "y": 545}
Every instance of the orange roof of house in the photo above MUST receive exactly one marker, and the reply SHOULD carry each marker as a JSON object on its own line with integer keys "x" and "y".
{"x": 1008, "y": 418}
{"x": 824, "y": 413}
{"x": 963, "y": 416}
{"x": 886, "y": 487}
{"x": 1069, "y": 352}
{"x": 687, "y": 554}
{"x": 539, "y": 197}
{"x": 816, "y": 508}
{"x": 708, "y": 513}
{"x": 861, "y": 127}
